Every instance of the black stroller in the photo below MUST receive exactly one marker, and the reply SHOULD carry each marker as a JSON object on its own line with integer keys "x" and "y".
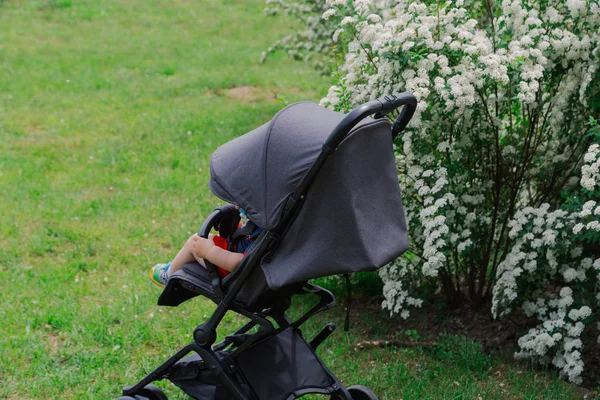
{"x": 324, "y": 187}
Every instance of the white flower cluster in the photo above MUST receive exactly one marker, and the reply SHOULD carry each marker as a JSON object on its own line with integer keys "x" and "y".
{"x": 396, "y": 287}
{"x": 431, "y": 218}
{"x": 544, "y": 253}
{"x": 423, "y": 41}
{"x": 559, "y": 334}
{"x": 557, "y": 339}
{"x": 590, "y": 174}
{"x": 539, "y": 41}
{"x": 589, "y": 217}
{"x": 537, "y": 233}
{"x": 314, "y": 39}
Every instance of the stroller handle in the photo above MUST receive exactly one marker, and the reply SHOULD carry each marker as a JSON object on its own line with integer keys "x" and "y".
{"x": 380, "y": 107}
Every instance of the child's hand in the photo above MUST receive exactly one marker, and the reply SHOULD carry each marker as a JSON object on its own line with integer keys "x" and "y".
{"x": 202, "y": 246}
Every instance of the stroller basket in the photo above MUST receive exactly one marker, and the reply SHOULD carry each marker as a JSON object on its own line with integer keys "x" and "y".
{"x": 285, "y": 359}
{"x": 318, "y": 183}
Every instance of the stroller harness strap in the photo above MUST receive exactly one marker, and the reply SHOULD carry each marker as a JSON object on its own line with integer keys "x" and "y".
{"x": 244, "y": 237}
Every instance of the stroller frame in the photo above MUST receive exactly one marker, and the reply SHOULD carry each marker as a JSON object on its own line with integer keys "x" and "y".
{"x": 217, "y": 363}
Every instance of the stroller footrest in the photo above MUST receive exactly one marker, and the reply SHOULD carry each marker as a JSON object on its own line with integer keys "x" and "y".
{"x": 188, "y": 368}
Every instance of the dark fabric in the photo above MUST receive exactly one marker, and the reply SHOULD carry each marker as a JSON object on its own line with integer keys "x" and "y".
{"x": 229, "y": 222}
{"x": 258, "y": 170}
{"x": 272, "y": 369}
{"x": 185, "y": 284}
{"x": 254, "y": 294}
{"x": 186, "y": 378}
{"x": 236, "y": 168}
{"x": 352, "y": 219}
{"x": 255, "y": 286}
{"x": 281, "y": 365}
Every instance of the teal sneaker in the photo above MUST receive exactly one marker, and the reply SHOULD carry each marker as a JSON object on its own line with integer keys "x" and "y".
{"x": 158, "y": 274}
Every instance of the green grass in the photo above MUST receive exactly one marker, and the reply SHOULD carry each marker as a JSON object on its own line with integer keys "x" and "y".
{"x": 455, "y": 368}
{"x": 109, "y": 111}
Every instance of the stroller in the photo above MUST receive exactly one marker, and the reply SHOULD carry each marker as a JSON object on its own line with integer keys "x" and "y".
{"x": 324, "y": 188}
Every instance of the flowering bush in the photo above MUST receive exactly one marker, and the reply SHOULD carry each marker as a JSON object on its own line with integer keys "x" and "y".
{"x": 505, "y": 92}
{"x": 552, "y": 272}
{"x": 314, "y": 39}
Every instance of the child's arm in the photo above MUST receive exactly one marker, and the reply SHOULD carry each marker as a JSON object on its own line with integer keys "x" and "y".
{"x": 225, "y": 259}
{"x": 206, "y": 248}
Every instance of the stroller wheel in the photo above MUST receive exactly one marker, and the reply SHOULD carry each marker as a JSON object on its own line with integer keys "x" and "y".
{"x": 360, "y": 392}
{"x": 149, "y": 392}
{"x": 153, "y": 393}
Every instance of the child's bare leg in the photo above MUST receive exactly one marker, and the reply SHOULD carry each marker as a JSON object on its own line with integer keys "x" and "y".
{"x": 186, "y": 255}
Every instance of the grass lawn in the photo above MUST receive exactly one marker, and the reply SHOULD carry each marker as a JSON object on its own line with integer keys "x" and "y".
{"x": 109, "y": 111}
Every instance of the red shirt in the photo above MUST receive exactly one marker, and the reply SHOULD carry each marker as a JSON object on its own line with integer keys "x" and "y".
{"x": 222, "y": 243}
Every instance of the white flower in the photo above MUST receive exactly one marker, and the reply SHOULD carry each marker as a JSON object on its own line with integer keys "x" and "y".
{"x": 593, "y": 225}
{"x": 407, "y": 45}
{"x": 589, "y": 205}
{"x": 374, "y": 18}
{"x": 347, "y": 20}
{"x": 576, "y": 7}
{"x": 569, "y": 274}
{"x": 336, "y": 34}
{"x": 584, "y": 312}
{"x": 327, "y": 14}
{"x": 336, "y": 2}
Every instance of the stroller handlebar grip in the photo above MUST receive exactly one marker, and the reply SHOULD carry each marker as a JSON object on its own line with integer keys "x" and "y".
{"x": 378, "y": 108}
{"x": 209, "y": 223}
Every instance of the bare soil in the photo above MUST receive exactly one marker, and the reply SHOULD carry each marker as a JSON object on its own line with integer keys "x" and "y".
{"x": 247, "y": 94}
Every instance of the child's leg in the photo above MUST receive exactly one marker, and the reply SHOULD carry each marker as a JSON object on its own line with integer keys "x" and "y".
{"x": 186, "y": 255}
{"x": 160, "y": 273}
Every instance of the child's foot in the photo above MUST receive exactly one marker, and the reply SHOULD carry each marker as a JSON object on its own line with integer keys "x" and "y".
{"x": 158, "y": 274}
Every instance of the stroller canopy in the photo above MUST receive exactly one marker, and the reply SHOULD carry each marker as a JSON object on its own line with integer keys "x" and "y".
{"x": 352, "y": 218}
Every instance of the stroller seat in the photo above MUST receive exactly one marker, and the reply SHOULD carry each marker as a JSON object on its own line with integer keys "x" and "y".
{"x": 317, "y": 183}
{"x": 193, "y": 279}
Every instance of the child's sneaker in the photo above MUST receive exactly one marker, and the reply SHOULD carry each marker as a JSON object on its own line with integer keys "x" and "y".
{"x": 158, "y": 274}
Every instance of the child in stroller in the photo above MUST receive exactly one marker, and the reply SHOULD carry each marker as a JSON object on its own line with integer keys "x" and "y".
{"x": 226, "y": 255}
{"x": 289, "y": 175}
